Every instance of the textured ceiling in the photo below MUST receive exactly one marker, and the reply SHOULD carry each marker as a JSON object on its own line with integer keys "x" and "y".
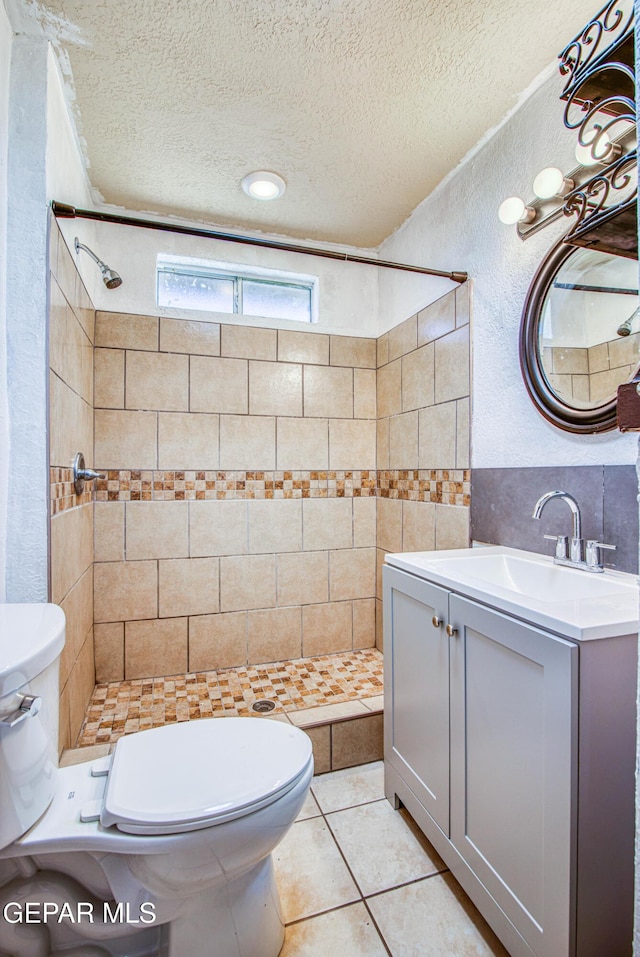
{"x": 363, "y": 106}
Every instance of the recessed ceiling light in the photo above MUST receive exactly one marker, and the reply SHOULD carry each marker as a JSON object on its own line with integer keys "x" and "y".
{"x": 263, "y": 185}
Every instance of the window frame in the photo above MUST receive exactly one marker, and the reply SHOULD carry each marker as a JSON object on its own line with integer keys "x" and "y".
{"x": 238, "y": 274}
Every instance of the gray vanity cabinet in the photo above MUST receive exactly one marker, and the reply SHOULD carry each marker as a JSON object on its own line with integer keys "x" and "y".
{"x": 482, "y": 745}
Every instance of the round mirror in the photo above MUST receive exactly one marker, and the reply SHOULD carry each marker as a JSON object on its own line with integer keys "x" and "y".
{"x": 580, "y": 336}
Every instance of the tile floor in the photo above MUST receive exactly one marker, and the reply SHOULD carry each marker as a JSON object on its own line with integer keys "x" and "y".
{"x": 123, "y": 707}
{"x": 358, "y": 878}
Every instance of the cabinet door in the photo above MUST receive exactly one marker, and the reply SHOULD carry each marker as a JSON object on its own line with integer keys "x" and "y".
{"x": 513, "y": 768}
{"x": 416, "y": 665}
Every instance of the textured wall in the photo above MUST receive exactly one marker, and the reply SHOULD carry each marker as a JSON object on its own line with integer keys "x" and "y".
{"x": 71, "y": 330}
{"x": 5, "y": 60}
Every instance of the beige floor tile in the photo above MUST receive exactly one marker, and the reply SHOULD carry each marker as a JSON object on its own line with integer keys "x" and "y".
{"x": 326, "y": 713}
{"x": 398, "y": 854}
{"x": 374, "y": 703}
{"x": 80, "y": 755}
{"x": 433, "y": 918}
{"x": 349, "y": 787}
{"x": 311, "y": 875}
{"x": 348, "y": 930}
{"x": 309, "y": 808}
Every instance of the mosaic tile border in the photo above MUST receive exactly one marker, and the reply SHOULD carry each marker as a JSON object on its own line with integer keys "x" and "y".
{"x": 62, "y": 494}
{"x": 442, "y": 486}
{"x": 136, "y": 485}
{"x": 122, "y": 707}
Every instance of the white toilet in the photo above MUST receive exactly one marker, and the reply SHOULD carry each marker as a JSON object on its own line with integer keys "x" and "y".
{"x": 161, "y": 850}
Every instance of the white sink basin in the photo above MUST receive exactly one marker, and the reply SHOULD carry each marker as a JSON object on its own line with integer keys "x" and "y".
{"x": 571, "y": 602}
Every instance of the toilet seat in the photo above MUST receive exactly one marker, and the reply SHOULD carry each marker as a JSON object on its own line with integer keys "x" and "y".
{"x": 183, "y": 777}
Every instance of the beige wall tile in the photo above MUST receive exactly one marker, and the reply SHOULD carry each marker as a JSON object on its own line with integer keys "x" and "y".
{"x": 302, "y": 347}
{"x": 70, "y": 349}
{"x": 109, "y": 379}
{"x": 364, "y": 623}
{"x": 403, "y": 338}
{"x": 64, "y": 730}
{"x": 364, "y": 522}
{"x": 184, "y": 335}
{"x": 219, "y": 385}
{"x": 353, "y": 351}
{"x": 70, "y": 424}
{"x": 452, "y": 526}
{"x": 380, "y": 557}
{"x": 275, "y": 525}
{"x": 356, "y": 741}
{"x": 126, "y": 440}
{"x": 157, "y": 380}
{"x": 66, "y": 272}
{"x": 437, "y": 319}
{"x": 605, "y": 384}
{"x": 117, "y": 330}
{"x": 571, "y": 361}
{"x": 188, "y": 586}
{"x": 452, "y": 366}
{"x": 109, "y": 651}
{"x": 403, "y": 441}
{"x": 418, "y": 375}
{"x": 218, "y": 528}
{"x": 303, "y": 578}
{"x": 247, "y": 581}
{"x": 275, "y": 635}
{"x": 418, "y": 526}
{"x": 217, "y": 641}
{"x": 77, "y": 606}
{"x": 352, "y": 444}
{"x": 382, "y": 444}
{"x": 352, "y": 574}
{"x": 81, "y": 684}
{"x": 124, "y": 591}
{"x": 438, "y": 437}
{"x": 327, "y": 628}
{"x": 247, "y": 442}
{"x": 108, "y": 532}
{"x": 85, "y": 311}
{"x": 623, "y": 351}
{"x": 328, "y": 391}
{"x": 245, "y": 342}
{"x": 463, "y": 444}
{"x": 71, "y": 549}
{"x": 327, "y": 523}
{"x": 382, "y": 350}
{"x": 156, "y": 530}
{"x": 157, "y": 647}
{"x": 187, "y": 440}
{"x": 390, "y": 389}
{"x": 379, "y": 625}
{"x": 275, "y": 388}
{"x": 364, "y": 393}
{"x": 463, "y": 304}
{"x": 389, "y": 524}
{"x": 321, "y": 744}
{"x": 302, "y": 444}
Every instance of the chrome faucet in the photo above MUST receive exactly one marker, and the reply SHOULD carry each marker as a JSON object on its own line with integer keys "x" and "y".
{"x": 573, "y": 552}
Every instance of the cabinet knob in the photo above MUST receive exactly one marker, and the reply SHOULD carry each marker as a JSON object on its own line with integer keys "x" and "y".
{"x": 451, "y": 631}
{"x": 436, "y": 622}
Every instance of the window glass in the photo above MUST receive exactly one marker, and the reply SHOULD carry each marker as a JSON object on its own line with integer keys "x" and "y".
{"x": 183, "y": 291}
{"x": 275, "y": 301}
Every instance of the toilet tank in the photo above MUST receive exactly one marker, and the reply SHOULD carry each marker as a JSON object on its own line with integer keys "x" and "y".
{"x": 31, "y": 640}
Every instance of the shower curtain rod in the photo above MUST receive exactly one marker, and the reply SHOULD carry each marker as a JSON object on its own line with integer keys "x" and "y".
{"x": 63, "y": 211}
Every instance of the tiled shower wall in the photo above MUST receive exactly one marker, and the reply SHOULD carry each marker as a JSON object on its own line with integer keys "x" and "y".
{"x": 71, "y": 331}
{"x": 423, "y": 432}
{"x": 238, "y": 520}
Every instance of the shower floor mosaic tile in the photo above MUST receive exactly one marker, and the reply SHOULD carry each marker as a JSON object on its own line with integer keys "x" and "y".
{"x": 122, "y": 707}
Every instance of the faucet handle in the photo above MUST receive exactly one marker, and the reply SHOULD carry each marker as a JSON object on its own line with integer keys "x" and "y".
{"x": 562, "y": 545}
{"x": 594, "y": 554}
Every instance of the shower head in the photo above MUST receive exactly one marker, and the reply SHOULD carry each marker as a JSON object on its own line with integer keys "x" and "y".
{"x": 110, "y": 277}
{"x": 625, "y": 328}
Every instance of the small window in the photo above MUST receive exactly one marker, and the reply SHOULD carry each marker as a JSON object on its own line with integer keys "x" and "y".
{"x": 225, "y": 287}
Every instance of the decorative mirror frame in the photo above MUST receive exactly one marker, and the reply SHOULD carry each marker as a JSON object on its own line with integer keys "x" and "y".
{"x": 602, "y": 418}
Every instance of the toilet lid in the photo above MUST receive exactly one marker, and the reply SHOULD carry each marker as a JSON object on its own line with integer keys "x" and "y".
{"x": 182, "y": 777}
